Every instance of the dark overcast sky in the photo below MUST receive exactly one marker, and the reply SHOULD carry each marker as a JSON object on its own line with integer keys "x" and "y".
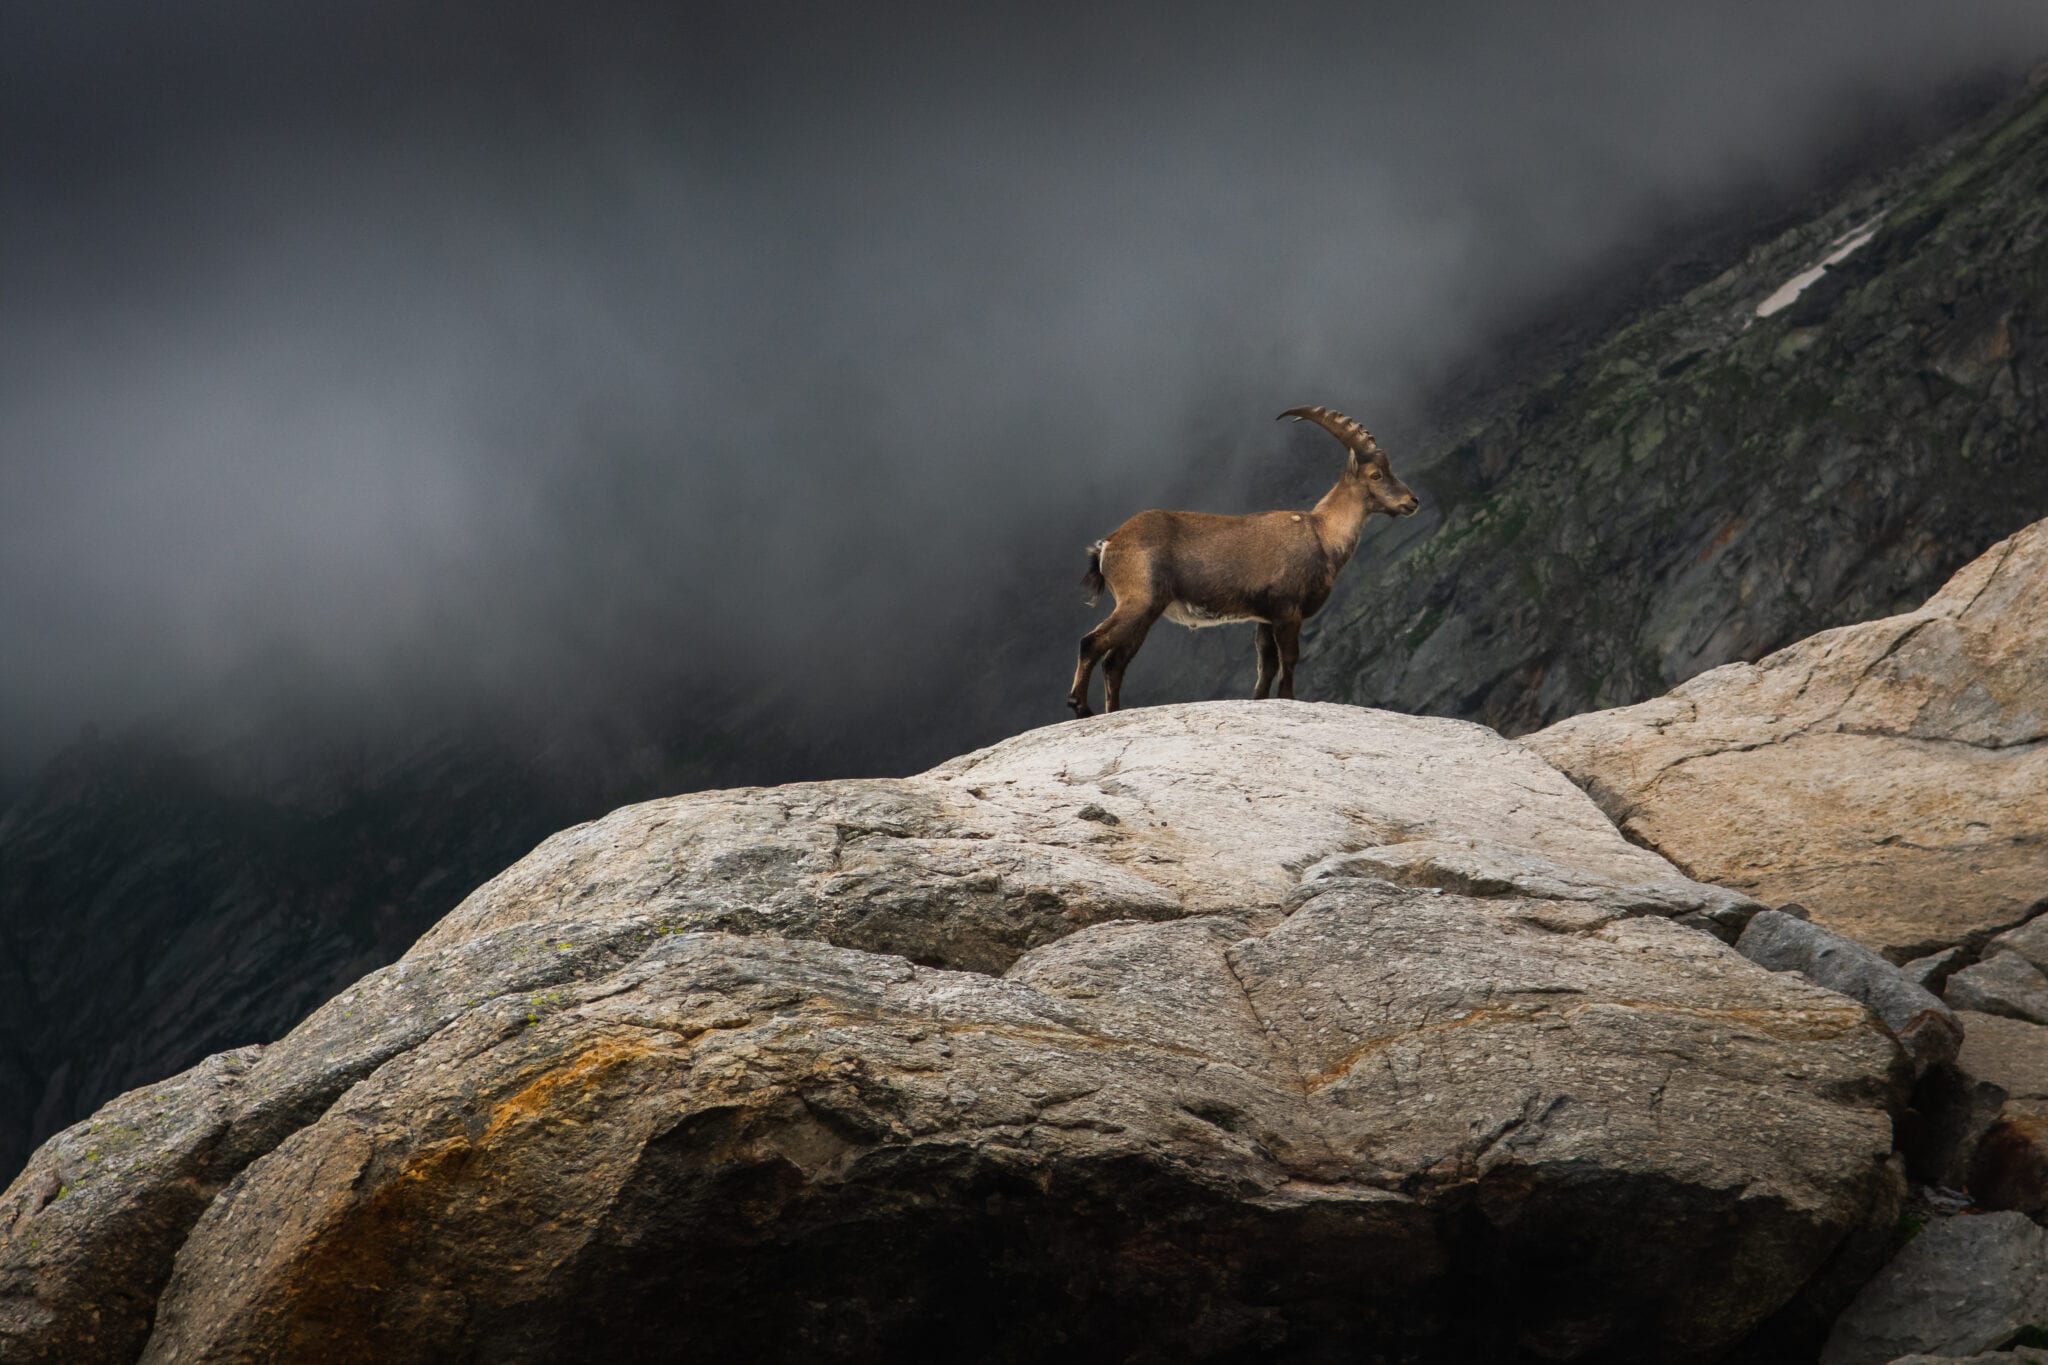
{"x": 475, "y": 345}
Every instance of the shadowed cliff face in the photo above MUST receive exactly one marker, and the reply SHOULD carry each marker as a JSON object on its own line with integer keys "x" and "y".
{"x": 1781, "y": 450}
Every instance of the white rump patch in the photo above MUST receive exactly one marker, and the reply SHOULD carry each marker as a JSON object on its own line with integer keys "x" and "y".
{"x": 1195, "y": 618}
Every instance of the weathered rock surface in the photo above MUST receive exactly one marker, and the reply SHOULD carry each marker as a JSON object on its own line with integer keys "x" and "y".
{"x": 2003, "y": 983}
{"x": 2019, "y": 1355}
{"x": 2010, "y": 1166}
{"x": 2030, "y": 941}
{"x": 1962, "y": 1285}
{"x": 1892, "y": 777}
{"x": 668, "y": 1086}
{"x": 2005, "y": 1063}
{"x": 2009, "y": 1053}
{"x": 1924, "y": 1026}
{"x": 1170, "y": 812}
{"x": 1933, "y": 971}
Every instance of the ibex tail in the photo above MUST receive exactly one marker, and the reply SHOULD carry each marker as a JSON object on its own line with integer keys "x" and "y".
{"x": 1093, "y": 580}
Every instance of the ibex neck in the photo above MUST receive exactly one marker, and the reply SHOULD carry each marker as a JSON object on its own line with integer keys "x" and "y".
{"x": 1340, "y": 521}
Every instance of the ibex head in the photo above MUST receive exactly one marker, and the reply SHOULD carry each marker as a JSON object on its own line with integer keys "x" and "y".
{"x": 1367, "y": 465}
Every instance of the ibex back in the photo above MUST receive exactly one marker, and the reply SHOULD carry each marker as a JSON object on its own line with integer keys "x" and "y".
{"x": 1199, "y": 569}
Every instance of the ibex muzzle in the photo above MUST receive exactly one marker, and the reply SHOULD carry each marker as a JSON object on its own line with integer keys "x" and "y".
{"x": 1199, "y": 569}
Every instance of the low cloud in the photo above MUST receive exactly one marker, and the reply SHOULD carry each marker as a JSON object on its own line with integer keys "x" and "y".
{"x": 514, "y": 352}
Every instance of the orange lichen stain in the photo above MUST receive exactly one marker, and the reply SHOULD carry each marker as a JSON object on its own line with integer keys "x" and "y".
{"x": 564, "y": 1086}
{"x": 415, "y": 1227}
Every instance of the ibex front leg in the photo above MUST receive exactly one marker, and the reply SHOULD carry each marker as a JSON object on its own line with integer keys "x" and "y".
{"x": 1287, "y": 636}
{"x": 1269, "y": 662}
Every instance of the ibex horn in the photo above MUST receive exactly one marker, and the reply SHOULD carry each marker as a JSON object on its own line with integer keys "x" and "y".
{"x": 1337, "y": 424}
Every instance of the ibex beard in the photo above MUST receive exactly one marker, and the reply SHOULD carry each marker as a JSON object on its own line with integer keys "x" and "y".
{"x": 1200, "y": 569}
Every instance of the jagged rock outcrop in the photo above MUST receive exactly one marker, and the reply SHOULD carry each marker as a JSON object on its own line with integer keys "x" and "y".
{"x": 1892, "y": 777}
{"x": 1932, "y": 972}
{"x": 2030, "y": 941}
{"x": 1238, "y": 1028}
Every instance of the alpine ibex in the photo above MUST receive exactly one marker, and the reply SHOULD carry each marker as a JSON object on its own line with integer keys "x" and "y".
{"x": 1199, "y": 569}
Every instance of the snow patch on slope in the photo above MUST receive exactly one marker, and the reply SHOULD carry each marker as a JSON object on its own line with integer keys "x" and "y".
{"x": 1842, "y": 246}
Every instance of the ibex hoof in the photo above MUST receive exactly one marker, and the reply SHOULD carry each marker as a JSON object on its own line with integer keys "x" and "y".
{"x": 1080, "y": 709}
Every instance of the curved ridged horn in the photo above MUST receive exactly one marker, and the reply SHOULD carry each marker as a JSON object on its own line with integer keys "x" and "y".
{"x": 1337, "y": 424}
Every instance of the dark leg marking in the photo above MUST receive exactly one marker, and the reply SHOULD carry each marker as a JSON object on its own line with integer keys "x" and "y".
{"x": 1287, "y": 635}
{"x": 1269, "y": 662}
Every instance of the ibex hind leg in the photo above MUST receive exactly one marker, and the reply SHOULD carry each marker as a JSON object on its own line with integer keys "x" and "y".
{"x": 1096, "y": 642}
{"x": 1269, "y": 662}
{"x": 1123, "y": 648}
{"x": 1093, "y": 646}
{"x": 1111, "y": 644}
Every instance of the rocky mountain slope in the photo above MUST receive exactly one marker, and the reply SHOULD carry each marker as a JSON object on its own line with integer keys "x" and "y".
{"x": 1735, "y": 470}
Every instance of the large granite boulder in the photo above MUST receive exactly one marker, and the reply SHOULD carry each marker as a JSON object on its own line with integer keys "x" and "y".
{"x": 1221, "y": 1030}
{"x": 1891, "y": 776}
